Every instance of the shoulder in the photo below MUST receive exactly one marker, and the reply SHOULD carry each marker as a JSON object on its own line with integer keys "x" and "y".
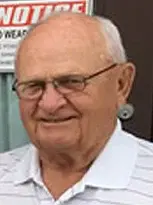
{"x": 145, "y": 147}
{"x": 145, "y": 156}
{"x": 141, "y": 181}
{"x": 10, "y": 158}
{"x": 143, "y": 153}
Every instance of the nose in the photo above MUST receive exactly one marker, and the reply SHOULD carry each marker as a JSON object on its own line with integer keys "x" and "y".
{"x": 51, "y": 99}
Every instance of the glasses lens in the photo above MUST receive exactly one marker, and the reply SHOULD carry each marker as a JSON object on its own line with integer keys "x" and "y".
{"x": 67, "y": 84}
{"x": 64, "y": 84}
{"x": 30, "y": 90}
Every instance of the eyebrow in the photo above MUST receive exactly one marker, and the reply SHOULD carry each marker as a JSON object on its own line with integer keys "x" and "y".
{"x": 54, "y": 78}
{"x": 30, "y": 81}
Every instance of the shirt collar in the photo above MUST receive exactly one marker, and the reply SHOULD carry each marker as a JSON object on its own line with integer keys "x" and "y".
{"x": 112, "y": 168}
{"x": 114, "y": 165}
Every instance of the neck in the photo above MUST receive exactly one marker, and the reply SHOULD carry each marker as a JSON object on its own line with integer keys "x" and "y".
{"x": 61, "y": 171}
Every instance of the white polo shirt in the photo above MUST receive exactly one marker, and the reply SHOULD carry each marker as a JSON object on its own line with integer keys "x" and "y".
{"x": 121, "y": 175}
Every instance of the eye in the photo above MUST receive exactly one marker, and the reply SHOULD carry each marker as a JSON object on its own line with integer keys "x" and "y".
{"x": 71, "y": 82}
{"x": 30, "y": 88}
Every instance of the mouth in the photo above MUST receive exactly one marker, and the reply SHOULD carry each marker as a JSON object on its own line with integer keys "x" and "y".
{"x": 57, "y": 120}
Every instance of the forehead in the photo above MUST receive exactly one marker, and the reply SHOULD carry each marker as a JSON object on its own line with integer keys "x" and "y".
{"x": 62, "y": 45}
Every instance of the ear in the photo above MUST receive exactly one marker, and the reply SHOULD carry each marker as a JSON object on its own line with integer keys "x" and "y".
{"x": 125, "y": 81}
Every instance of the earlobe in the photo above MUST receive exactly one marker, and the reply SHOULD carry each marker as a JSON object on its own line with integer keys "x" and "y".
{"x": 125, "y": 82}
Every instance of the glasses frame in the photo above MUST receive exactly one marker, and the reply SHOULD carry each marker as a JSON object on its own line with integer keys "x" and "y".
{"x": 54, "y": 82}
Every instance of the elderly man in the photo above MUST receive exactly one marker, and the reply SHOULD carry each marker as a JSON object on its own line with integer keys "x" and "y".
{"x": 71, "y": 78}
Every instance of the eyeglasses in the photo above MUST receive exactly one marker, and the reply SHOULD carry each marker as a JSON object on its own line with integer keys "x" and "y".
{"x": 34, "y": 89}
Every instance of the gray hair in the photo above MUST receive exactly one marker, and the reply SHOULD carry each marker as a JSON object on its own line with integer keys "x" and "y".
{"x": 113, "y": 40}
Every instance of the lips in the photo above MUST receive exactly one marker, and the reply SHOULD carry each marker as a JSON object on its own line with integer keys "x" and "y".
{"x": 58, "y": 120}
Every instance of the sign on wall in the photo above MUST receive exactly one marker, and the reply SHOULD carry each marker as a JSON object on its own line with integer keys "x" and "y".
{"x": 17, "y": 16}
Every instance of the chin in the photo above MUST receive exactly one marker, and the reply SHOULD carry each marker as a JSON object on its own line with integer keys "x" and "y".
{"x": 56, "y": 140}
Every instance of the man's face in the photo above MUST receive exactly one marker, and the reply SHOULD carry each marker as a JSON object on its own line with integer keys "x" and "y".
{"x": 83, "y": 119}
